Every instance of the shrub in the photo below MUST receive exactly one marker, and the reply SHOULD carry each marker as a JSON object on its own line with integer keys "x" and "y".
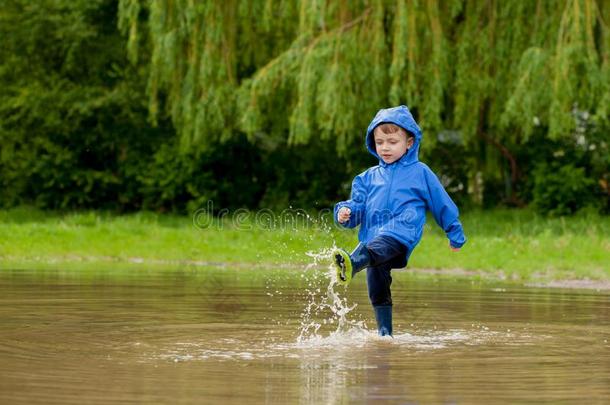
{"x": 562, "y": 190}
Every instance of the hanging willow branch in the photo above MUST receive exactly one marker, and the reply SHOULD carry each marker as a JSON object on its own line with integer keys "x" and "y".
{"x": 293, "y": 70}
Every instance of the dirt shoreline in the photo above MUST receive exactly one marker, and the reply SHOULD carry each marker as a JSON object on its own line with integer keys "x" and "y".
{"x": 497, "y": 275}
{"x": 585, "y": 283}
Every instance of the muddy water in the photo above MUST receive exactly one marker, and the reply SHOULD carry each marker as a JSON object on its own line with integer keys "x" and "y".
{"x": 195, "y": 335}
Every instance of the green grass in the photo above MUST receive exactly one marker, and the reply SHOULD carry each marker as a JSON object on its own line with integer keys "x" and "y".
{"x": 516, "y": 244}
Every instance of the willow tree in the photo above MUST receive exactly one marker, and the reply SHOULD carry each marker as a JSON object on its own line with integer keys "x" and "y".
{"x": 287, "y": 71}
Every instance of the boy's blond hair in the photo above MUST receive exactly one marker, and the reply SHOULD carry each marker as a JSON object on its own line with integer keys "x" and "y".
{"x": 389, "y": 128}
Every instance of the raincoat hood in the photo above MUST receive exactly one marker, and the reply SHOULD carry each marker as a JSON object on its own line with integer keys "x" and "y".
{"x": 402, "y": 117}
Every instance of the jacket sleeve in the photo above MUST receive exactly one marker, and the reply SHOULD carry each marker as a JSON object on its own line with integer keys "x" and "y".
{"x": 444, "y": 210}
{"x": 356, "y": 204}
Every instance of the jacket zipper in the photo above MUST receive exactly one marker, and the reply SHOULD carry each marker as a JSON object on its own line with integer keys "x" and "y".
{"x": 387, "y": 204}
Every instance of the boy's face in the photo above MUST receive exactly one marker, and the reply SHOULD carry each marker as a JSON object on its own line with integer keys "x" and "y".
{"x": 391, "y": 147}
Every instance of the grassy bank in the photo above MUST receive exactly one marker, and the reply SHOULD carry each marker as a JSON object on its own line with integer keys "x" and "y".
{"x": 503, "y": 243}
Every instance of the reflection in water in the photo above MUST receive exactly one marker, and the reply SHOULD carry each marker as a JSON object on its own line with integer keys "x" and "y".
{"x": 222, "y": 335}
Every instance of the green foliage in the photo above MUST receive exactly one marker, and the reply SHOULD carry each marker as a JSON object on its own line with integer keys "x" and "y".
{"x": 565, "y": 174}
{"x": 288, "y": 88}
{"x": 228, "y": 175}
{"x": 453, "y": 62}
{"x": 68, "y": 106}
{"x": 74, "y": 132}
{"x": 307, "y": 70}
{"x": 561, "y": 190}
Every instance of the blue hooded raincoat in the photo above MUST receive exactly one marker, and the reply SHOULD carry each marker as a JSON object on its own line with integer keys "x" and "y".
{"x": 392, "y": 199}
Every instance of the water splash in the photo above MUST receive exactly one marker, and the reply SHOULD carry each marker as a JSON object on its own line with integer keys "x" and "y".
{"x": 338, "y": 346}
{"x": 326, "y": 307}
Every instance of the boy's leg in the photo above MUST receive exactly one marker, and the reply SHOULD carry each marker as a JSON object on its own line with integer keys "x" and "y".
{"x": 380, "y": 250}
{"x": 379, "y": 280}
{"x": 386, "y": 253}
{"x": 384, "y": 249}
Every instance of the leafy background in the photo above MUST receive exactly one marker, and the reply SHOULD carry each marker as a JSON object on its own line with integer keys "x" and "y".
{"x": 164, "y": 105}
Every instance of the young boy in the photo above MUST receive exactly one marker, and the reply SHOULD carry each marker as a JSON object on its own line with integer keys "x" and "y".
{"x": 389, "y": 202}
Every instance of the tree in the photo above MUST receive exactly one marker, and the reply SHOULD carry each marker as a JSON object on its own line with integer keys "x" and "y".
{"x": 72, "y": 126}
{"x": 493, "y": 71}
{"x": 487, "y": 81}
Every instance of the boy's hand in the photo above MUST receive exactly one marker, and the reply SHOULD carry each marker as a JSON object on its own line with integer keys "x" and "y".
{"x": 343, "y": 214}
{"x": 454, "y": 248}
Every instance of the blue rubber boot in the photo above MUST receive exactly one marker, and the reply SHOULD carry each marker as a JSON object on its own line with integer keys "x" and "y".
{"x": 383, "y": 314}
{"x": 348, "y": 265}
